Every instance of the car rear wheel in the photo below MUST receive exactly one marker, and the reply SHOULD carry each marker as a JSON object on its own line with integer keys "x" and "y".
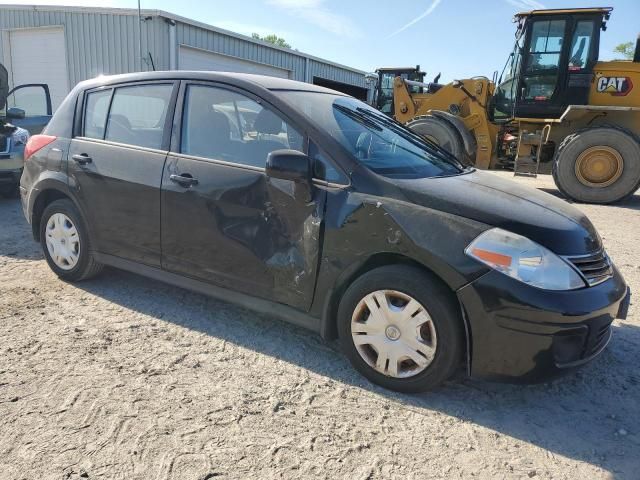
{"x": 65, "y": 242}
{"x": 401, "y": 328}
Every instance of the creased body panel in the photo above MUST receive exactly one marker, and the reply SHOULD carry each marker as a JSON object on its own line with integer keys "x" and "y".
{"x": 359, "y": 227}
{"x": 238, "y": 229}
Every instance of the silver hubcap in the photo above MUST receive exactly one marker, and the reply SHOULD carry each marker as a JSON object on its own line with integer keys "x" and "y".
{"x": 63, "y": 241}
{"x": 393, "y": 333}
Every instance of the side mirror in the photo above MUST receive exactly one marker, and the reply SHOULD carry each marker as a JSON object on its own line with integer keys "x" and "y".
{"x": 15, "y": 113}
{"x": 289, "y": 165}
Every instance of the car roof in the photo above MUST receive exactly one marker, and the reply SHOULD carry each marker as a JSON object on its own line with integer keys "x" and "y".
{"x": 239, "y": 79}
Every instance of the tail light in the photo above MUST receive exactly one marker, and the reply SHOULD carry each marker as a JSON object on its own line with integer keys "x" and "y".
{"x": 37, "y": 142}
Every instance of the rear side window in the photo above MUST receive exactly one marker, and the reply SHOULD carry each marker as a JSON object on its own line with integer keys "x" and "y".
{"x": 95, "y": 117}
{"x": 138, "y": 114}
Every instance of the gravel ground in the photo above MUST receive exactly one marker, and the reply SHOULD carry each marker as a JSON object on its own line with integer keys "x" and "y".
{"x": 126, "y": 378}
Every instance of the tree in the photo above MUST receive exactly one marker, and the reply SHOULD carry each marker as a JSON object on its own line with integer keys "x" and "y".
{"x": 273, "y": 39}
{"x": 625, "y": 49}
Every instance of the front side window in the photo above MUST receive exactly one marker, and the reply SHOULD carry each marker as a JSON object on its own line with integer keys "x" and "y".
{"x": 225, "y": 125}
{"x": 95, "y": 114}
{"x": 373, "y": 139}
{"x": 543, "y": 59}
{"x": 137, "y": 115}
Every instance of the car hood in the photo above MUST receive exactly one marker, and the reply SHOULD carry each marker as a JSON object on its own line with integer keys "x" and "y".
{"x": 503, "y": 203}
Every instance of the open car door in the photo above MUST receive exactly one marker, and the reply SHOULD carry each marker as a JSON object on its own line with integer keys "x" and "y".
{"x": 29, "y": 106}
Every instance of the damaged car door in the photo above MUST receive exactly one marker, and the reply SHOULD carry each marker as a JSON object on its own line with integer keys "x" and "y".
{"x": 224, "y": 219}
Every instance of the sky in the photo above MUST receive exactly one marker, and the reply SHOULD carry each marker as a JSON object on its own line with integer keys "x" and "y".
{"x": 454, "y": 37}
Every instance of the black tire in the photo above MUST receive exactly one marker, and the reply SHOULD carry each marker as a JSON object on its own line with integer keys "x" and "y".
{"x": 439, "y": 302}
{"x": 611, "y": 136}
{"x": 442, "y": 133}
{"x": 87, "y": 266}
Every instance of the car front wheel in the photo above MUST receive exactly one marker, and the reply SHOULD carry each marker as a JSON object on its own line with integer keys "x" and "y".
{"x": 401, "y": 328}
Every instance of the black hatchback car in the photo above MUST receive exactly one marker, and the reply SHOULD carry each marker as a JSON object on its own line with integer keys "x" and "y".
{"x": 310, "y": 205}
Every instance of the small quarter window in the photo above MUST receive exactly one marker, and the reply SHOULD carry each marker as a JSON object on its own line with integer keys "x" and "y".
{"x": 323, "y": 169}
{"x": 138, "y": 114}
{"x": 95, "y": 115}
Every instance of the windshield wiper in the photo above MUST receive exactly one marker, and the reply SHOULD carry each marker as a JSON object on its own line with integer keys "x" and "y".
{"x": 403, "y": 131}
{"x": 359, "y": 117}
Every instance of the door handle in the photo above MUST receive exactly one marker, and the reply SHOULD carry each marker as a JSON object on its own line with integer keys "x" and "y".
{"x": 82, "y": 158}
{"x": 184, "y": 180}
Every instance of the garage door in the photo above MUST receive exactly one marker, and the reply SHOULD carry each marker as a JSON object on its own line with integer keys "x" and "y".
{"x": 38, "y": 55}
{"x": 196, "y": 59}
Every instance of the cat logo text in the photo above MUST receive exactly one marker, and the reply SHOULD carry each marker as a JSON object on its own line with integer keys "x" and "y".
{"x": 616, "y": 86}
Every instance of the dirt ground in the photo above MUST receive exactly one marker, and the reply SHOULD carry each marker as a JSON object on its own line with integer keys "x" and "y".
{"x": 126, "y": 378}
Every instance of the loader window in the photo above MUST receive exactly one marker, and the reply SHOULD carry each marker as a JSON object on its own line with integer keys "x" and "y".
{"x": 543, "y": 59}
{"x": 385, "y": 102}
{"x": 581, "y": 45}
{"x": 385, "y": 88}
{"x": 505, "y": 94}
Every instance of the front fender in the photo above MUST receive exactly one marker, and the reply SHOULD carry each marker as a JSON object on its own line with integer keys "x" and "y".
{"x": 360, "y": 227}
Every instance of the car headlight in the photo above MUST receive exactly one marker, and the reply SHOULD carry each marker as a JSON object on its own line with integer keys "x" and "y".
{"x": 524, "y": 260}
{"x": 20, "y": 137}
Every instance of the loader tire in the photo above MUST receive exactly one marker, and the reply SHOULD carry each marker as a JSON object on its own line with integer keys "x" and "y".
{"x": 442, "y": 133}
{"x": 598, "y": 165}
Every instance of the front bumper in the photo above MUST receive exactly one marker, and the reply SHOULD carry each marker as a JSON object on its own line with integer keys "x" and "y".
{"x": 520, "y": 333}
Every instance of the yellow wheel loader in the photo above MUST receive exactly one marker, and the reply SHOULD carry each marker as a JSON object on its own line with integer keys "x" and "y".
{"x": 555, "y": 108}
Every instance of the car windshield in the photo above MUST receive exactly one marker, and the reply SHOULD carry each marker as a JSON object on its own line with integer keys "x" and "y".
{"x": 376, "y": 141}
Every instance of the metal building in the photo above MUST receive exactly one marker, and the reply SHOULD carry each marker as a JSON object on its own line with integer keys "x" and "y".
{"x": 61, "y": 46}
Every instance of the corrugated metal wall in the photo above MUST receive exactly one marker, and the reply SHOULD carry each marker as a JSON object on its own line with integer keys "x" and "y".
{"x": 214, "y": 41}
{"x": 194, "y": 36}
{"x": 97, "y": 43}
{"x": 106, "y": 42}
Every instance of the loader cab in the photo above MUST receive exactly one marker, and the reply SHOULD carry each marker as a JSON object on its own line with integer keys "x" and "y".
{"x": 551, "y": 65}
{"x": 383, "y": 96}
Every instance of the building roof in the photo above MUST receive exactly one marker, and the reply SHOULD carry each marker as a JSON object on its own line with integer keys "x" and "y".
{"x": 176, "y": 18}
